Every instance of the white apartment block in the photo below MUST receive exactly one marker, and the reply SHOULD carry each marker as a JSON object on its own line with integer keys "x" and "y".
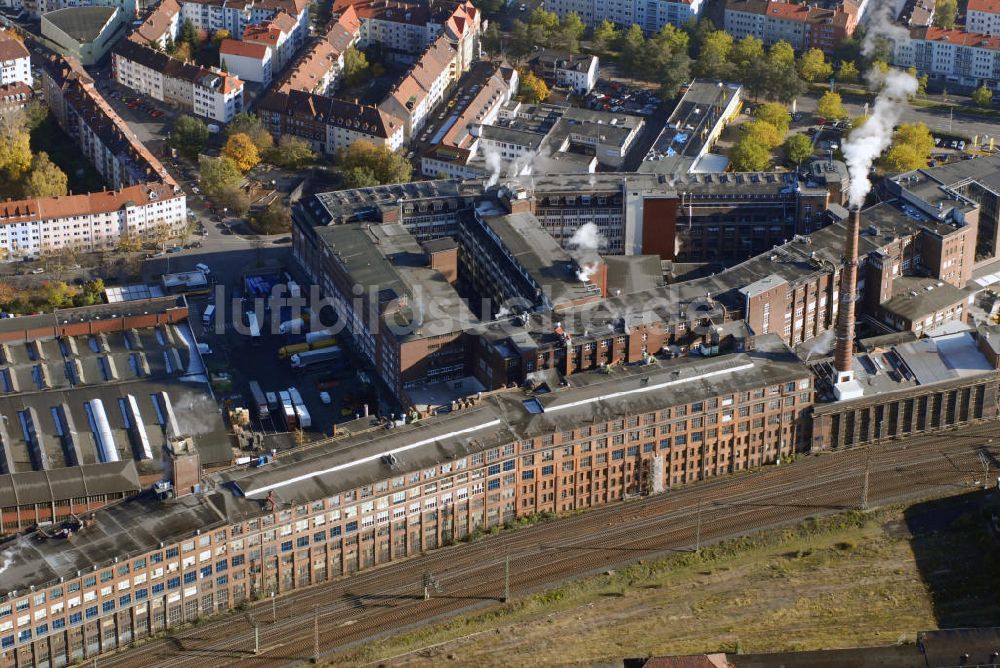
{"x": 212, "y": 15}
{"x": 87, "y": 222}
{"x": 967, "y": 59}
{"x": 249, "y": 62}
{"x": 983, "y": 16}
{"x": 213, "y": 94}
{"x": 650, "y": 15}
{"x": 15, "y": 61}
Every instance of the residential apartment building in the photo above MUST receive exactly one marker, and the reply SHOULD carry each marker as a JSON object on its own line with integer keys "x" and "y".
{"x": 650, "y": 15}
{"x": 95, "y": 221}
{"x": 423, "y": 86}
{"x": 246, "y": 60}
{"x": 477, "y": 467}
{"x": 956, "y": 56}
{"x": 327, "y": 123}
{"x": 573, "y": 71}
{"x": 320, "y": 66}
{"x": 15, "y": 61}
{"x": 212, "y": 94}
{"x": 212, "y": 15}
{"x": 983, "y": 17}
{"x": 407, "y": 27}
{"x": 803, "y": 26}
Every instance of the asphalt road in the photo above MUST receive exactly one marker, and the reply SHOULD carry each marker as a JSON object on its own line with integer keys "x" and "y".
{"x": 936, "y": 119}
{"x": 387, "y": 600}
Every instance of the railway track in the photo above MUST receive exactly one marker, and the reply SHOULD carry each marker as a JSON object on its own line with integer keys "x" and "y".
{"x": 388, "y": 599}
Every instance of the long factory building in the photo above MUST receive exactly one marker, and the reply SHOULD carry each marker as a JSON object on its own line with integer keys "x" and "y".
{"x": 583, "y": 422}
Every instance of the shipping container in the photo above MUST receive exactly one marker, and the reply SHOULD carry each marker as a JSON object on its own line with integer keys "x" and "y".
{"x": 259, "y": 400}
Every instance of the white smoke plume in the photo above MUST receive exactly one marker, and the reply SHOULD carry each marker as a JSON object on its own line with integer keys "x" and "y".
{"x": 881, "y": 26}
{"x": 587, "y": 240}
{"x": 8, "y": 555}
{"x": 494, "y": 163}
{"x": 196, "y": 414}
{"x": 865, "y": 144}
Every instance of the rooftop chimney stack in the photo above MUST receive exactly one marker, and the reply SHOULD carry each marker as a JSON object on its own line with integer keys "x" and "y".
{"x": 845, "y": 386}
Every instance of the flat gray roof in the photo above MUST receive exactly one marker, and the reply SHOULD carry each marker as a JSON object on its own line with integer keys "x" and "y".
{"x": 84, "y": 24}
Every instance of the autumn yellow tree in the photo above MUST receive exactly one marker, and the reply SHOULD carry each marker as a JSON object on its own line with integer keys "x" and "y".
{"x": 241, "y": 150}
{"x": 533, "y": 90}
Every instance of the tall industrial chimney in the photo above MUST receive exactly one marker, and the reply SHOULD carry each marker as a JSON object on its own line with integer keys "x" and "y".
{"x": 845, "y": 386}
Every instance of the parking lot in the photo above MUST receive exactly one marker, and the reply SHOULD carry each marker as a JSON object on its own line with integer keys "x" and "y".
{"x": 240, "y": 358}
{"x": 614, "y": 97}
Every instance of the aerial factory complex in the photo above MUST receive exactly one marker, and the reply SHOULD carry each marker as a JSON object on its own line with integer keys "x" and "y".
{"x": 553, "y": 302}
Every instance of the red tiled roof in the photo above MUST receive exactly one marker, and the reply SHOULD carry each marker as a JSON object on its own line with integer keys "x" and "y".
{"x": 959, "y": 37}
{"x": 233, "y": 47}
{"x": 11, "y": 49}
{"x": 988, "y": 6}
{"x": 49, "y": 208}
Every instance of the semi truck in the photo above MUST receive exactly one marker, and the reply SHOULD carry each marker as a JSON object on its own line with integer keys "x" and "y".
{"x": 304, "y": 359}
{"x": 301, "y": 412}
{"x": 259, "y": 400}
{"x": 288, "y": 410}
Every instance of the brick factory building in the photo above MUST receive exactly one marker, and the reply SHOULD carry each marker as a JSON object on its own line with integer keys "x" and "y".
{"x": 326, "y": 512}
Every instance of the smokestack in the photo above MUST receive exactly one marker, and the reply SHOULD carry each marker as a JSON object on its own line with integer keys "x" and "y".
{"x": 845, "y": 386}
{"x": 848, "y": 285}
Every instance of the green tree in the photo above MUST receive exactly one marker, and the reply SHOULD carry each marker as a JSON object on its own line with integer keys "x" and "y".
{"x": 547, "y": 21}
{"x": 831, "y": 106}
{"x": 813, "y": 66}
{"x": 944, "y": 13}
{"x": 532, "y": 89}
{"x": 983, "y": 96}
{"x": 763, "y": 133}
{"x": 355, "y": 66}
{"x": 746, "y": 51}
{"x": 569, "y": 33}
{"x": 778, "y": 77}
{"x": 606, "y": 35}
{"x": 360, "y": 177}
{"x": 633, "y": 48}
{"x": 776, "y": 114}
{"x": 242, "y": 151}
{"x": 386, "y": 165}
{"x": 492, "y": 39}
{"x": 189, "y": 34}
{"x": 291, "y": 153}
{"x": 275, "y": 219}
{"x": 189, "y": 136}
{"x": 218, "y": 174}
{"x": 798, "y": 148}
{"x": 45, "y": 178}
{"x": 674, "y": 74}
{"x": 848, "y": 72}
{"x": 781, "y": 53}
{"x": 749, "y": 155}
{"x": 234, "y": 199}
{"x": 251, "y": 126}
{"x": 520, "y": 43}
{"x": 713, "y": 59}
